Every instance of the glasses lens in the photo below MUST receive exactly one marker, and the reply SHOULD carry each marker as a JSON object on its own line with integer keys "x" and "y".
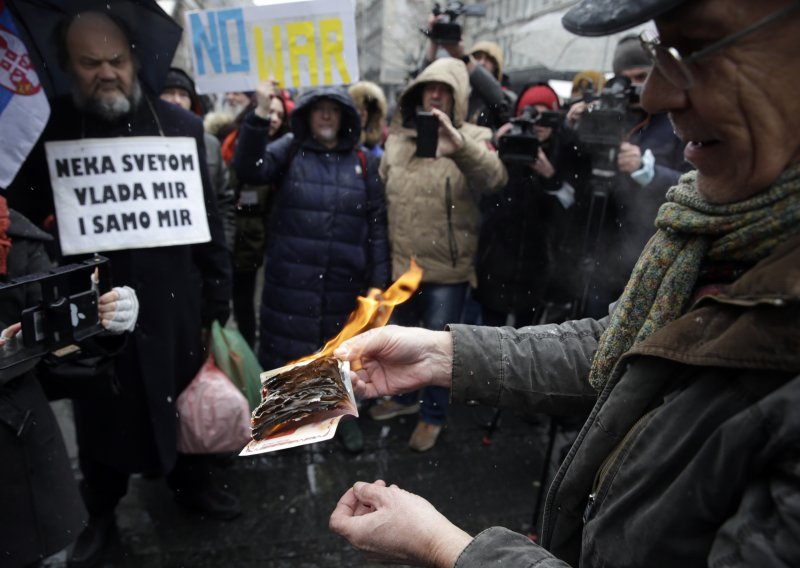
{"x": 667, "y": 60}
{"x": 669, "y": 64}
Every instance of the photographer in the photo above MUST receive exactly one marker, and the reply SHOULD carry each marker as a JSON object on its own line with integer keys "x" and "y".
{"x": 648, "y": 162}
{"x": 523, "y": 223}
{"x": 432, "y": 206}
{"x": 489, "y": 104}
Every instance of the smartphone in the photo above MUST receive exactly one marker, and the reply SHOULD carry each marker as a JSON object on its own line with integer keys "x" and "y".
{"x": 427, "y": 134}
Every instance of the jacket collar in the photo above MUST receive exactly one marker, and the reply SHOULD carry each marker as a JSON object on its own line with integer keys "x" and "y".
{"x": 754, "y": 323}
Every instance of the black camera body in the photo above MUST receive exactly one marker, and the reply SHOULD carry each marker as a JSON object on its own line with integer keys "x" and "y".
{"x": 521, "y": 145}
{"x": 446, "y": 30}
{"x": 602, "y": 128}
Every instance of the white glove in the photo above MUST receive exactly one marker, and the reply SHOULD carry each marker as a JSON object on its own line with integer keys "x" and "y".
{"x": 118, "y": 309}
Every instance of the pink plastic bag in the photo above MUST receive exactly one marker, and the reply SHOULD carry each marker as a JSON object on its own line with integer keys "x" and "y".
{"x": 213, "y": 414}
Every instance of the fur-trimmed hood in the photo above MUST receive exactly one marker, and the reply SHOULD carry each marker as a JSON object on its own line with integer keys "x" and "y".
{"x": 367, "y": 95}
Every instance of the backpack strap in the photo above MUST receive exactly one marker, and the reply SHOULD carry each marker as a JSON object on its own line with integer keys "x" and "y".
{"x": 362, "y": 157}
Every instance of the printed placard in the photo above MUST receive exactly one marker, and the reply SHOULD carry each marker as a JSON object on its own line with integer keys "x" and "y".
{"x": 298, "y": 44}
{"x": 127, "y": 193}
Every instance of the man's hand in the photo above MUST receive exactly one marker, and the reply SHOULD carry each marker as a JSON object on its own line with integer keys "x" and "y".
{"x": 629, "y": 158}
{"x": 265, "y": 92}
{"x": 575, "y": 112}
{"x": 393, "y": 360}
{"x": 542, "y": 165}
{"x": 450, "y": 139}
{"x": 388, "y": 524}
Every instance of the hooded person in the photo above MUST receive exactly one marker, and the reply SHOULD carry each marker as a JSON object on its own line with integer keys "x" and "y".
{"x": 327, "y": 229}
{"x": 434, "y": 215}
{"x": 372, "y": 108}
{"x": 484, "y": 108}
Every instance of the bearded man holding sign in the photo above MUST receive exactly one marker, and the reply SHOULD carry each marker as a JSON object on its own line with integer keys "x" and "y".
{"x": 183, "y": 282}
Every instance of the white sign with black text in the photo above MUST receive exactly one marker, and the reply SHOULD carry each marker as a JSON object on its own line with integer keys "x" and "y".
{"x": 127, "y": 193}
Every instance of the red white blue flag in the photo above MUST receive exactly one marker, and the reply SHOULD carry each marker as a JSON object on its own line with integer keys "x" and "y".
{"x": 24, "y": 109}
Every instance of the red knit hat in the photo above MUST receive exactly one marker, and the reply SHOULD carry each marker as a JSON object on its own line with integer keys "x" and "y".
{"x": 538, "y": 95}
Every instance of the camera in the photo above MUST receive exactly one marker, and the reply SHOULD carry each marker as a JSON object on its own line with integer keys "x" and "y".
{"x": 521, "y": 145}
{"x": 446, "y": 30}
{"x": 602, "y": 128}
{"x": 66, "y": 314}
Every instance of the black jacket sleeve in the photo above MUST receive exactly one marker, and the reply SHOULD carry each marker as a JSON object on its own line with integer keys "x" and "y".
{"x": 257, "y": 162}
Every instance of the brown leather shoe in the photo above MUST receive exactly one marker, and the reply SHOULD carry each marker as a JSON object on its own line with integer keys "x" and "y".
{"x": 386, "y": 409}
{"x": 424, "y": 436}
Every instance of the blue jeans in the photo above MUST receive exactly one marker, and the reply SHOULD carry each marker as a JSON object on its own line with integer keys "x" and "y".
{"x": 433, "y": 306}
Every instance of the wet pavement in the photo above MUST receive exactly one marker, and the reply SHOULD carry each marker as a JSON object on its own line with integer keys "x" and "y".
{"x": 288, "y": 496}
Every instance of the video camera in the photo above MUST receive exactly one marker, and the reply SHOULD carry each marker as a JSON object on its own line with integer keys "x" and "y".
{"x": 66, "y": 314}
{"x": 446, "y": 30}
{"x": 602, "y": 127}
{"x": 521, "y": 145}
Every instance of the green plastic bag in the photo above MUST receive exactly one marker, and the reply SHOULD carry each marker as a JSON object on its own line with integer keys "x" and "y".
{"x": 235, "y": 358}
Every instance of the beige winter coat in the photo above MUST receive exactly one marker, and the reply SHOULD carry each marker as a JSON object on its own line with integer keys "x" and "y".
{"x": 432, "y": 203}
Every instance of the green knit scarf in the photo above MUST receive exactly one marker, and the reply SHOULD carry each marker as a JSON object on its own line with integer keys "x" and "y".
{"x": 691, "y": 230}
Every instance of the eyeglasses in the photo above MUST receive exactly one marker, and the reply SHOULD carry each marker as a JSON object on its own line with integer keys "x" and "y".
{"x": 675, "y": 68}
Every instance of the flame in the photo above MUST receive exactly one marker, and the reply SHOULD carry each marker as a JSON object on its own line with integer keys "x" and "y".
{"x": 373, "y": 311}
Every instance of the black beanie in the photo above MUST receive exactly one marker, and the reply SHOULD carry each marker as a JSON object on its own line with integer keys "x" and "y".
{"x": 630, "y": 53}
{"x": 179, "y": 79}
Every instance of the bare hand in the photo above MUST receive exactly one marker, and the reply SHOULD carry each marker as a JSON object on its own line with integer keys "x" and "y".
{"x": 265, "y": 92}
{"x": 542, "y": 165}
{"x": 393, "y": 360}
{"x": 629, "y": 158}
{"x": 503, "y": 130}
{"x": 574, "y": 113}
{"x": 455, "y": 49}
{"x": 450, "y": 139}
{"x": 388, "y": 524}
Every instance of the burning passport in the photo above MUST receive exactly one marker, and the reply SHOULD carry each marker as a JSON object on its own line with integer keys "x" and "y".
{"x": 301, "y": 404}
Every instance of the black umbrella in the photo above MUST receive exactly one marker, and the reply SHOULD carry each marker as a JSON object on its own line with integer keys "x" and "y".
{"x": 153, "y": 33}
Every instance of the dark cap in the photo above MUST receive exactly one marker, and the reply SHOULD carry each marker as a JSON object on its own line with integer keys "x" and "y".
{"x": 180, "y": 79}
{"x": 604, "y": 17}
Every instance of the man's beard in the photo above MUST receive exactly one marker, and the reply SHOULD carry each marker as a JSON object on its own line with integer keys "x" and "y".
{"x": 233, "y": 108}
{"x": 108, "y": 108}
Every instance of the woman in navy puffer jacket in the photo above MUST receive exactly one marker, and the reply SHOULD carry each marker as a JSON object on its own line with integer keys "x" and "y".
{"x": 327, "y": 238}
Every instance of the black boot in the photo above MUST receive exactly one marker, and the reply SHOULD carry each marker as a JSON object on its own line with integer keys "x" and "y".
{"x": 88, "y": 549}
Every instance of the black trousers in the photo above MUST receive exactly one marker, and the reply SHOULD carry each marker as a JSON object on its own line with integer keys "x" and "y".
{"x": 103, "y": 486}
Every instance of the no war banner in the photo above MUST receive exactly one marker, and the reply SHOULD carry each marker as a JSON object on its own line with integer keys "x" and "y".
{"x": 305, "y": 43}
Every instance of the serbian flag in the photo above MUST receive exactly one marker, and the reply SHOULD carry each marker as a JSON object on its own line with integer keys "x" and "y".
{"x": 24, "y": 109}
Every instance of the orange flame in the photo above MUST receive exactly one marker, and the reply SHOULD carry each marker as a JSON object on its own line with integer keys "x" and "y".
{"x": 373, "y": 311}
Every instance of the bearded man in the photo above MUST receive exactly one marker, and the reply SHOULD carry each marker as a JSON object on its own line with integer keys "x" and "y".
{"x": 181, "y": 289}
{"x": 689, "y": 456}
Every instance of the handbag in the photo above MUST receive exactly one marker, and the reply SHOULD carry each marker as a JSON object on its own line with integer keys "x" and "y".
{"x": 213, "y": 414}
{"x": 235, "y": 358}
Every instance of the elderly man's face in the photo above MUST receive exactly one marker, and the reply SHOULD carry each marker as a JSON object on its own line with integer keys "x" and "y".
{"x": 739, "y": 120}
{"x": 101, "y": 64}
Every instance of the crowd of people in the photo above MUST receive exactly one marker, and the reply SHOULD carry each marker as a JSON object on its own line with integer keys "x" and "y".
{"x": 610, "y": 284}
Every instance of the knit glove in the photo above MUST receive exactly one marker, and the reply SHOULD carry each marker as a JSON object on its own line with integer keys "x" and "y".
{"x": 119, "y": 309}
